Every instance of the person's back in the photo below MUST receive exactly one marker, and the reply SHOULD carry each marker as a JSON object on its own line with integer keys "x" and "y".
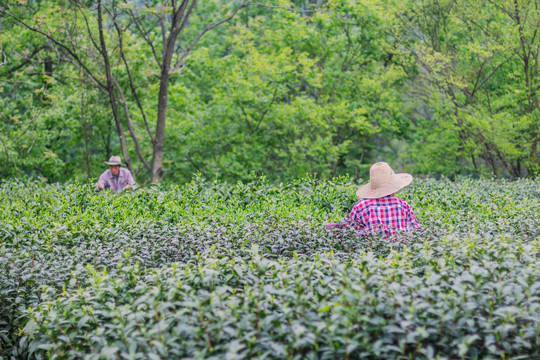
{"x": 378, "y": 209}
{"x": 388, "y": 214}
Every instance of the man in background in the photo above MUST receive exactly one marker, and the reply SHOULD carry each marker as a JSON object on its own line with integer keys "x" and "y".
{"x": 116, "y": 178}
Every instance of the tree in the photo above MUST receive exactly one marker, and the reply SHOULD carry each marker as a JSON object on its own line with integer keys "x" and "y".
{"x": 470, "y": 52}
{"x": 41, "y": 125}
{"x": 296, "y": 93}
{"x": 105, "y": 25}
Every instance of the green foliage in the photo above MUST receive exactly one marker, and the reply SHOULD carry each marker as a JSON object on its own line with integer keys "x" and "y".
{"x": 479, "y": 107}
{"x": 325, "y": 87}
{"x": 54, "y": 124}
{"x": 248, "y": 270}
{"x": 273, "y": 91}
{"x": 298, "y": 94}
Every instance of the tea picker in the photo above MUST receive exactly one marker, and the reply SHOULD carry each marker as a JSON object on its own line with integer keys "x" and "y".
{"x": 378, "y": 209}
{"x": 116, "y": 177}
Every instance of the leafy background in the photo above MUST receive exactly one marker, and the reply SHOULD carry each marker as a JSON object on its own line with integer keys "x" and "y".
{"x": 328, "y": 88}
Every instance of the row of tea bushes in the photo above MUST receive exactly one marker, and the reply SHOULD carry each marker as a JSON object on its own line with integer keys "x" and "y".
{"x": 25, "y": 266}
{"x": 49, "y": 234}
{"x": 463, "y": 206}
{"x": 478, "y": 302}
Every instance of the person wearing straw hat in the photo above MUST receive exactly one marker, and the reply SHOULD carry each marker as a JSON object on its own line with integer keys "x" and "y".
{"x": 116, "y": 178}
{"x": 378, "y": 208}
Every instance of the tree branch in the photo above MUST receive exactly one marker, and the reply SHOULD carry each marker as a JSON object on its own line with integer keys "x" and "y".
{"x": 130, "y": 126}
{"x": 491, "y": 74}
{"x": 110, "y": 89}
{"x": 59, "y": 43}
{"x": 132, "y": 86}
{"x": 162, "y": 25}
{"x": 266, "y": 110}
{"x": 168, "y": 47}
{"x": 284, "y": 8}
{"x": 87, "y": 25}
{"x": 4, "y": 62}
{"x": 186, "y": 52}
{"x": 145, "y": 36}
{"x": 26, "y": 60}
{"x": 187, "y": 15}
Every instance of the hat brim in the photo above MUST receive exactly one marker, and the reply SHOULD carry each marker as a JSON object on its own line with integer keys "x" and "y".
{"x": 113, "y": 163}
{"x": 396, "y": 183}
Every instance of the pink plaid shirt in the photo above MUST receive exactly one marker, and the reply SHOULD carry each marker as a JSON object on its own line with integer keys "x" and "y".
{"x": 389, "y": 214}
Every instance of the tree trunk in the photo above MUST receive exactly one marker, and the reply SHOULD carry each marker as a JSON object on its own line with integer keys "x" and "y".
{"x": 110, "y": 90}
{"x": 163, "y": 102}
{"x": 531, "y": 90}
{"x": 157, "y": 159}
{"x": 163, "y": 99}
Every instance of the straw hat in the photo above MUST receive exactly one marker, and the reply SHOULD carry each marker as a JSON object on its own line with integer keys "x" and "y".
{"x": 114, "y": 160}
{"x": 383, "y": 181}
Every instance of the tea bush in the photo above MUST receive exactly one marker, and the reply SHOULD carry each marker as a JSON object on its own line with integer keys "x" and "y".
{"x": 248, "y": 270}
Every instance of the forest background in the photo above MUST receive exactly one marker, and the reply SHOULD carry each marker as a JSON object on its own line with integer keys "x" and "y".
{"x": 228, "y": 89}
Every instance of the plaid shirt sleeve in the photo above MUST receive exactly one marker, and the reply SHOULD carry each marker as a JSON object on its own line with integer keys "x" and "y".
{"x": 411, "y": 219}
{"x": 354, "y": 219}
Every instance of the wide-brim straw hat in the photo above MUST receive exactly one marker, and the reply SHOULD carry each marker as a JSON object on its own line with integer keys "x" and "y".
{"x": 383, "y": 181}
{"x": 114, "y": 160}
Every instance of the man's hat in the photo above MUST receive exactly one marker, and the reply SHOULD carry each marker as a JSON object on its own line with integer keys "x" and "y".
{"x": 114, "y": 160}
{"x": 383, "y": 181}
